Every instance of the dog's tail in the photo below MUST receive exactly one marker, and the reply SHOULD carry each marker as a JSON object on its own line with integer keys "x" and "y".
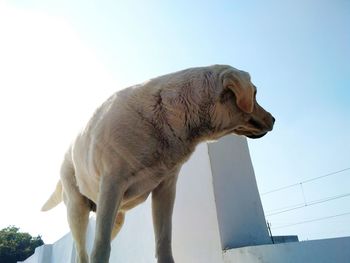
{"x": 55, "y": 198}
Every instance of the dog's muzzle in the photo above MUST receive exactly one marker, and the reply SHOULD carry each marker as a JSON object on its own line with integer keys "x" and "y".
{"x": 265, "y": 126}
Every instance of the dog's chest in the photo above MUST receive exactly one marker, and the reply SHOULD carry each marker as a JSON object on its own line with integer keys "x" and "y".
{"x": 145, "y": 181}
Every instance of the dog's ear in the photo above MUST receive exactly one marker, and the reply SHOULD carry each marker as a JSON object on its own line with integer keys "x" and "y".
{"x": 239, "y": 83}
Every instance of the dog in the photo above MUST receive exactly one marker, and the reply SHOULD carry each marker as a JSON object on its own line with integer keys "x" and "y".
{"x": 137, "y": 141}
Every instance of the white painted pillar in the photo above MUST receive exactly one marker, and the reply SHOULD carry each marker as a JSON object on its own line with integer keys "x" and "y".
{"x": 217, "y": 205}
{"x": 239, "y": 210}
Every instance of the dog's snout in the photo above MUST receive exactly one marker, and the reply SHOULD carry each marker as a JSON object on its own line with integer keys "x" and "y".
{"x": 256, "y": 123}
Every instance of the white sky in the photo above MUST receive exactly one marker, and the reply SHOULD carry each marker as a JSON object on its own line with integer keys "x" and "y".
{"x": 60, "y": 60}
{"x": 42, "y": 63}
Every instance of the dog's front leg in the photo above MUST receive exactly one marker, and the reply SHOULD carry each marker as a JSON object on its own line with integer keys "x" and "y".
{"x": 163, "y": 198}
{"x": 110, "y": 195}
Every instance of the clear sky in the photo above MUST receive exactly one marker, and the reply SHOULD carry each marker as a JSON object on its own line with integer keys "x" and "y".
{"x": 60, "y": 59}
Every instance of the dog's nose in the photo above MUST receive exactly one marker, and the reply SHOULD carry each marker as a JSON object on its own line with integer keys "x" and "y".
{"x": 270, "y": 121}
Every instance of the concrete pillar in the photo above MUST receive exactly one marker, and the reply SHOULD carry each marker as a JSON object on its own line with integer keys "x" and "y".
{"x": 239, "y": 210}
{"x": 217, "y": 205}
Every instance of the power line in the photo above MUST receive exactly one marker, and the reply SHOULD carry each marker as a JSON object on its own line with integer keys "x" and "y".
{"x": 312, "y": 220}
{"x": 303, "y": 182}
{"x": 305, "y": 204}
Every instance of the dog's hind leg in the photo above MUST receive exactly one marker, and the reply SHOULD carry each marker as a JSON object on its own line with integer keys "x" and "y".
{"x": 78, "y": 210}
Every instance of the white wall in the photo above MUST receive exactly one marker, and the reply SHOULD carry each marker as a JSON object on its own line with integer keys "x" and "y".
{"x": 217, "y": 206}
{"x": 196, "y": 236}
{"x": 335, "y": 250}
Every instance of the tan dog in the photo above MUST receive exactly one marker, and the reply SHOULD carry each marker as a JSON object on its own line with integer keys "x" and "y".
{"x": 136, "y": 143}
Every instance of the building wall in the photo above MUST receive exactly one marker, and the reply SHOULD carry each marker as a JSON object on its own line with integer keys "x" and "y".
{"x": 334, "y": 250}
{"x": 217, "y": 206}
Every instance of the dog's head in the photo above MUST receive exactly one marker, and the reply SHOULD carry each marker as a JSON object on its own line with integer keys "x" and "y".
{"x": 235, "y": 107}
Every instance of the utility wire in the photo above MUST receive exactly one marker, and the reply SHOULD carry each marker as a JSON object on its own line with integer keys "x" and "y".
{"x": 303, "y": 182}
{"x": 312, "y": 220}
{"x": 302, "y": 205}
